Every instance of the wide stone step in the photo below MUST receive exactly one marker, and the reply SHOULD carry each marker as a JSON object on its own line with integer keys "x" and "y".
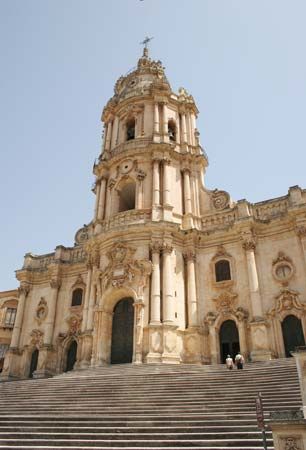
{"x": 78, "y": 443}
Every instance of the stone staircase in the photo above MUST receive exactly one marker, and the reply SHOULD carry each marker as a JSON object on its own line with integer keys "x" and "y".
{"x": 146, "y": 407}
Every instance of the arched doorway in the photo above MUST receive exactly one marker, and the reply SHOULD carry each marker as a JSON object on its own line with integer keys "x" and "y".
{"x": 292, "y": 334}
{"x": 229, "y": 340}
{"x": 34, "y": 361}
{"x": 122, "y": 332}
{"x": 71, "y": 356}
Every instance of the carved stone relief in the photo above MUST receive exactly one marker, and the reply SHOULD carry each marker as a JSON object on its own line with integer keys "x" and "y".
{"x": 37, "y": 338}
{"x": 74, "y": 323}
{"x": 220, "y": 199}
{"x": 291, "y": 443}
{"x": 41, "y": 311}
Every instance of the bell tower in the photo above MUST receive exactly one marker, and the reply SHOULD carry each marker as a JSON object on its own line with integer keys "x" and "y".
{"x": 151, "y": 161}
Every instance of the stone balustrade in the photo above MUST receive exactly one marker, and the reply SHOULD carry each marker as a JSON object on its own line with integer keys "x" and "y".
{"x": 220, "y": 219}
{"x": 270, "y": 209}
{"x": 133, "y": 216}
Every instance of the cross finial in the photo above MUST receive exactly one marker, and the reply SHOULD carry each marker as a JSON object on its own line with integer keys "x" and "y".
{"x": 145, "y": 42}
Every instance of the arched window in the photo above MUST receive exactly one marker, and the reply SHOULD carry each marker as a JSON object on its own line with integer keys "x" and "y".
{"x": 172, "y": 130}
{"x": 130, "y": 129}
{"x": 127, "y": 196}
{"x": 222, "y": 270}
{"x": 77, "y": 297}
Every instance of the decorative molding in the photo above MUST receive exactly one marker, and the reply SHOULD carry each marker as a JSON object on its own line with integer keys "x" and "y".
{"x": 221, "y": 253}
{"x": 282, "y": 268}
{"x": 123, "y": 270}
{"x": 225, "y": 302}
{"x": 287, "y": 301}
{"x": 140, "y": 175}
{"x": 111, "y": 183}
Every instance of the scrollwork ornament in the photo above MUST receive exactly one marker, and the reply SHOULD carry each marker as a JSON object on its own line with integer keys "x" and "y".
{"x": 220, "y": 199}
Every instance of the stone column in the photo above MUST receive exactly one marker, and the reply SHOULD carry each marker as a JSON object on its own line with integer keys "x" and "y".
{"x": 139, "y": 198}
{"x": 156, "y": 183}
{"x": 101, "y": 203}
{"x": 108, "y": 135}
{"x": 261, "y": 348}
{"x": 86, "y": 299}
{"x": 165, "y": 124}
{"x": 91, "y": 303}
{"x": 155, "y": 285}
{"x": 166, "y": 183}
{"x": 138, "y": 333}
{"x": 168, "y": 299}
{"x": 190, "y": 258}
{"x": 249, "y": 246}
{"x": 97, "y": 192}
{"x": 49, "y": 327}
{"x": 187, "y": 192}
{"x": 242, "y": 338}
{"x": 184, "y": 129}
{"x": 23, "y": 292}
{"x": 156, "y": 132}
{"x": 193, "y": 128}
{"x": 178, "y": 129}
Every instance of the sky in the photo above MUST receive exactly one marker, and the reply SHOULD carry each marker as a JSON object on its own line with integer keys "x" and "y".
{"x": 242, "y": 60}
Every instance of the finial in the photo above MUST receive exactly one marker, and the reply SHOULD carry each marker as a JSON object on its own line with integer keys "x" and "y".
{"x": 145, "y": 43}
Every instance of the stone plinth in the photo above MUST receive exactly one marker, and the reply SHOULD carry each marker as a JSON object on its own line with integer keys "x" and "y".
{"x": 289, "y": 430}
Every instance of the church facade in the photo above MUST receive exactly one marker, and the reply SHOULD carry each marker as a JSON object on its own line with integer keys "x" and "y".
{"x": 167, "y": 271}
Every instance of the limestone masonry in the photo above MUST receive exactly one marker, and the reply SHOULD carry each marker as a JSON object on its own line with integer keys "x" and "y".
{"x": 167, "y": 271}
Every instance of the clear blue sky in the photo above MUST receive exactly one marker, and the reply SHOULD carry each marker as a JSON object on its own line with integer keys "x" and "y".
{"x": 243, "y": 61}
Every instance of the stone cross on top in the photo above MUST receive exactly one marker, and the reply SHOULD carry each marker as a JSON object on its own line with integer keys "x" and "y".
{"x": 145, "y": 43}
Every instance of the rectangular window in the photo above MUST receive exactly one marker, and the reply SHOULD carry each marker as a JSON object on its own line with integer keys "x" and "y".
{"x": 10, "y": 317}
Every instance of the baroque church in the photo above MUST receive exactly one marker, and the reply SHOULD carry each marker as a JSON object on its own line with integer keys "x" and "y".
{"x": 167, "y": 271}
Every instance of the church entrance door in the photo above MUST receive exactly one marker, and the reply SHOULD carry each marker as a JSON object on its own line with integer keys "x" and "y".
{"x": 34, "y": 361}
{"x": 292, "y": 334}
{"x": 229, "y": 340}
{"x": 71, "y": 356}
{"x": 122, "y": 332}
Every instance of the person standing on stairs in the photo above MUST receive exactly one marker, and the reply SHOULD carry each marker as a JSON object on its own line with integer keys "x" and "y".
{"x": 239, "y": 361}
{"x": 229, "y": 362}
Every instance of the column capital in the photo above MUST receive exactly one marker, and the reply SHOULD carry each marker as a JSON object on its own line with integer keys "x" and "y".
{"x": 141, "y": 174}
{"x": 190, "y": 255}
{"x": 156, "y": 246}
{"x": 186, "y": 170}
{"x": 167, "y": 248}
{"x": 24, "y": 288}
{"x": 166, "y": 161}
{"x": 249, "y": 244}
{"x": 55, "y": 283}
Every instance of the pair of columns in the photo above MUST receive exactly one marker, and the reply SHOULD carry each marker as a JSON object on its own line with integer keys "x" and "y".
{"x": 168, "y": 299}
{"x": 156, "y": 182}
